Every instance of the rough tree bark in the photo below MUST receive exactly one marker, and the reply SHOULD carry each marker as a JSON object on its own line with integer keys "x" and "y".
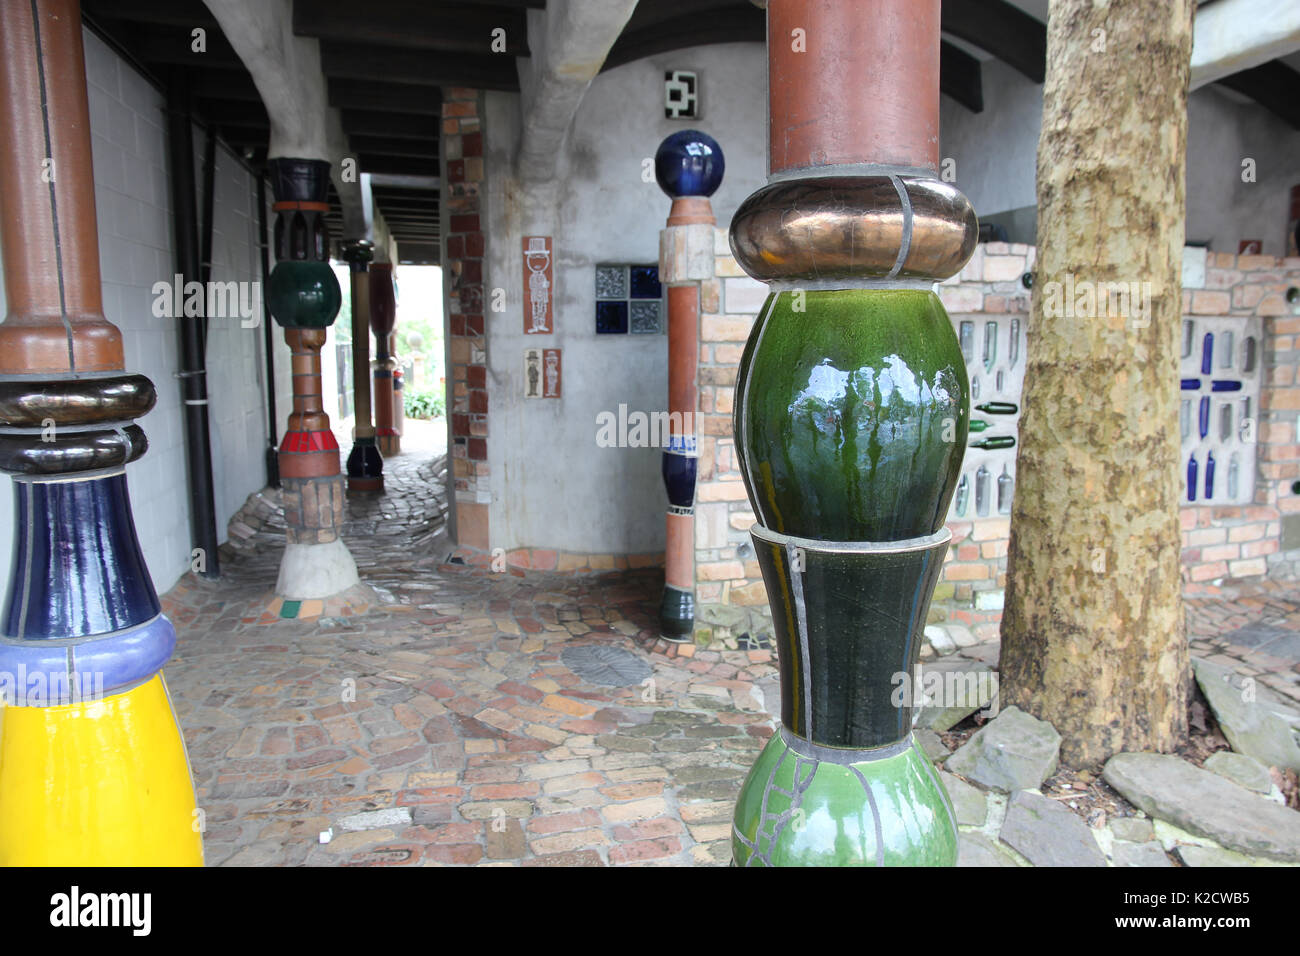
{"x": 1092, "y": 636}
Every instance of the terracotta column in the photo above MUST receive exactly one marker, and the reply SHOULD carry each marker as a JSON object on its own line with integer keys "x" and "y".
{"x": 93, "y": 770}
{"x": 304, "y": 297}
{"x": 383, "y": 315}
{"x": 365, "y": 464}
{"x": 851, "y": 417}
{"x": 689, "y": 167}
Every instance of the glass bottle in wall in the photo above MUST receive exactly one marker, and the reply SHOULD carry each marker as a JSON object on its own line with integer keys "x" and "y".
{"x": 1004, "y": 492}
{"x": 1014, "y": 352}
{"x": 1233, "y": 476}
{"x": 982, "y": 492}
{"x": 967, "y": 337}
{"x": 963, "y": 496}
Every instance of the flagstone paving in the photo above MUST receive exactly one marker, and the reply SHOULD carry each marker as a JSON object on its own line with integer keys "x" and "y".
{"x": 442, "y": 725}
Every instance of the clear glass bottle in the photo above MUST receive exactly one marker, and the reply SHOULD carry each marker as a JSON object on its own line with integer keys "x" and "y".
{"x": 982, "y": 492}
{"x": 1004, "y": 492}
{"x": 963, "y": 496}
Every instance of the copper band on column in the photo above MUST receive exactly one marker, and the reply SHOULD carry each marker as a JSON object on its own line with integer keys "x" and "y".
{"x": 834, "y": 90}
{"x": 56, "y": 321}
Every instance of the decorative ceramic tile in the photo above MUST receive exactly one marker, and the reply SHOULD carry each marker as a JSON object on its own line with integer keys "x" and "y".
{"x": 681, "y": 94}
{"x": 551, "y": 373}
{"x": 646, "y": 317}
{"x": 532, "y": 373}
{"x": 611, "y": 318}
{"x": 611, "y": 282}
{"x": 538, "y": 285}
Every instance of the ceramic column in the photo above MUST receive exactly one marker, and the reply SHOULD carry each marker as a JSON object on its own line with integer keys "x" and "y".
{"x": 365, "y": 464}
{"x": 689, "y": 167}
{"x": 851, "y": 417}
{"x": 304, "y": 298}
{"x": 93, "y": 770}
{"x": 383, "y": 315}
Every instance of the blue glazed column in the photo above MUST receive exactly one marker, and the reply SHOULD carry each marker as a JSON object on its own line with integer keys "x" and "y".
{"x": 689, "y": 167}
{"x": 851, "y": 416}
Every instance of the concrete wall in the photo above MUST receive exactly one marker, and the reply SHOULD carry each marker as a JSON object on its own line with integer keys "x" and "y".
{"x": 551, "y": 485}
{"x": 996, "y": 152}
{"x": 133, "y": 203}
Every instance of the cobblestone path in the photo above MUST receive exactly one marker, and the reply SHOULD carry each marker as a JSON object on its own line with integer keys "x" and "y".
{"x": 446, "y": 725}
{"x": 450, "y": 714}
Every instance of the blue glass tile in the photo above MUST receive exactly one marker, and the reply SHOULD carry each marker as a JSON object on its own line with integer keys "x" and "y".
{"x": 1191, "y": 384}
{"x": 1207, "y": 353}
{"x": 645, "y": 283}
{"x": 1204, "y": 416}
{"x": 1225, "y": 385}
{"x": 1209, "y": 476}
{"x": 611, "y": 318}
{"x": 1191, "y": 478}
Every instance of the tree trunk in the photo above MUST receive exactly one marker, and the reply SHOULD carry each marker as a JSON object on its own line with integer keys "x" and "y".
{"x": 1092, "y": 636}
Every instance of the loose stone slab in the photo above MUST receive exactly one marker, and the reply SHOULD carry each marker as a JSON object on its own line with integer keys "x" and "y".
{"x": 1014, "y": 751}
{"x": 1047, "y": 834}
{"x": 975, "y": 849}
{"x": 1206, "y": 804}
{"x": 934, "y": 748}
{"x": 957, "y": 688}
{"x": 1132, "y": 829}
{"x": 376, "y": 819}
{"x": 1214, "y": 856}
{"x": 1139, "y": 854}
{"x": 1250, "y": 727}
{"x": 1242, "y": 770}
{"x": 969, "y": 804}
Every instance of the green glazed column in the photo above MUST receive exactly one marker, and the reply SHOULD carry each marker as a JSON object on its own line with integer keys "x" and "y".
{"x": 851, "y": 416}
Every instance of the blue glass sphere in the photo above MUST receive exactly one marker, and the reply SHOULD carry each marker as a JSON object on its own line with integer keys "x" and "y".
{"x": 689, "y": 163}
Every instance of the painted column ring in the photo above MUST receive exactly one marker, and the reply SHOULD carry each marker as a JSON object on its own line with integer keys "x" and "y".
{"x": 844, "y": 227}
{"x": 116, "y": 398}
{"x": 45, "y": 673}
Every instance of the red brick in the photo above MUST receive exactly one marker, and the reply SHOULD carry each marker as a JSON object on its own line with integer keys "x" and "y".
{"x": 644, "y": 850}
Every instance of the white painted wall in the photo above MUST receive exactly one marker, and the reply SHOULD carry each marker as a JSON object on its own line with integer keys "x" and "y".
{"x": 996, "y": 154}
{"x": 551, "y": 485}
{"x": 132, "y": 200}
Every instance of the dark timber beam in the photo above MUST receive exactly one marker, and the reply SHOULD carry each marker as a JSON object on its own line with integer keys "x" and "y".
{"x": 1005, "y": 31}
{"x": 378, "y": 123}
{"x": 1273, "y": 85}
{"x": 414, "y": 24}
{"x": 389, "y": 97}
{"x": 731, "y": 24}
{"x": 387, "y": 64}
{"x": 961, "y": 77}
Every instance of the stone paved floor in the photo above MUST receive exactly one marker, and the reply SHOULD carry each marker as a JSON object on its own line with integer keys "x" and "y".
{"x": 448, "y": 710}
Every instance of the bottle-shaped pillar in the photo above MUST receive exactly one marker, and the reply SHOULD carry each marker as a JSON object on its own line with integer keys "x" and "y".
{"x": 689, "y": 167}
{"x": 365, "y": 464}
{"x": 383, "y": 315}
{"x": 93, "y": 769}
{"x": 851, "y": 418}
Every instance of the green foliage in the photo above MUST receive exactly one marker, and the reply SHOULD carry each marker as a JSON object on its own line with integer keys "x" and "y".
{"x": 423, "y": 403}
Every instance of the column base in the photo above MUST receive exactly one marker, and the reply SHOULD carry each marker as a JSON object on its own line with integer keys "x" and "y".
{"x": 390, "y": 443}
{"x": 808, "y": 805}
{"x": 677, "y": 615}
{"x": 365, "y": 467}
{"x": 310, "y": 571}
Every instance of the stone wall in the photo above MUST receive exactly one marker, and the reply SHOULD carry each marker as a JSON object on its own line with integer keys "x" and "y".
{"x": 1219, "y": 541}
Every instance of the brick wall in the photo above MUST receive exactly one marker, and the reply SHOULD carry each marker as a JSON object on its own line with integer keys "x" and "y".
{"x": 463, "y": 254}
{"x": 1220, "y": 541}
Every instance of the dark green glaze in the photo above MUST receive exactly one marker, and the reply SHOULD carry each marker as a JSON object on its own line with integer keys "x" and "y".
{"x": 303, "y": 294}
{"x": 677, "y": 614}
{"x": 863, "y": 613}
{"x": 797, "y": 811}
{"x": 851, "y": 415}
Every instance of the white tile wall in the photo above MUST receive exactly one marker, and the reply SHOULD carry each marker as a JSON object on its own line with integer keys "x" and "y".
{"x": 132, "y": 199}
